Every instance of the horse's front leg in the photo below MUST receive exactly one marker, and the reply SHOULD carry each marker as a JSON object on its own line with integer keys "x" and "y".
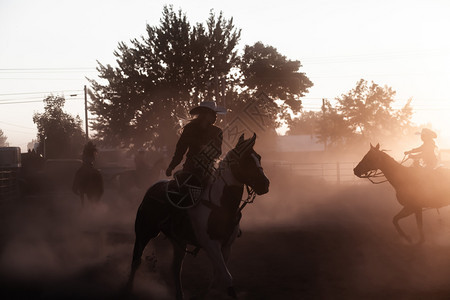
{"x": 419, "y": 222}
{"x": 179, "y": 252}
{"x": 226, "y": 248}
{"x": 222, "y": 276}
{"x": 402, "y": 214}
{"x": 199, "y": 217}
{"x": 226, "y": 251}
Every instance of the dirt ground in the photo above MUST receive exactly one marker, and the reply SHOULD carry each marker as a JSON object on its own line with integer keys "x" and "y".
{"x": 306, "y": 239}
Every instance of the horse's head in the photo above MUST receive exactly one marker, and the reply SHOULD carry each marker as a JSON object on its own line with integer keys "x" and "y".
{"x": 370, "y": 161}
{"x": 246, "y": 165}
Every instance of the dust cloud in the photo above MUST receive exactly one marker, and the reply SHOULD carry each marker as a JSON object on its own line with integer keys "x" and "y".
{"x": 308, "y": 238}
{"x": 52, "y": 247}
{"x": 340, "y": 239}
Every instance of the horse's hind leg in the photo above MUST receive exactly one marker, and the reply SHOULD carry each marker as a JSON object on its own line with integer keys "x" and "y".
{"x": 143, "y": 236}
{"x": 402, "y": 214}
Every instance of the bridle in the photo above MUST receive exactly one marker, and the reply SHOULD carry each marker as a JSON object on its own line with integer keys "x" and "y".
{"x": 377, "y": 173}
{"x": 251, "y": 195}
{"x": 374, "y": 174}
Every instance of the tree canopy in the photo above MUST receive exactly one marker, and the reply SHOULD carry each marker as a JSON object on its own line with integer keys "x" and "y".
{"x": 175, "y": 66}
{"x": 3, "y": 139}
{"x": 365, "y": 113}
{"x": 264, "y": 69}
{"x": 60, "y": 135}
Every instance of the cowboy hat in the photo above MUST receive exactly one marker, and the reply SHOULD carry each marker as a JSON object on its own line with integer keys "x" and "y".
{"x": 428, "y": 132}
{"x": 208, "y": 105}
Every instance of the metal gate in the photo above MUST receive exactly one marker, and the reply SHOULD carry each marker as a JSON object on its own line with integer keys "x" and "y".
{"x": 9, "y": 183}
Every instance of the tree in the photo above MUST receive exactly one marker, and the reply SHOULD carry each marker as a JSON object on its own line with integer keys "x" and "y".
{"x": 265, "y": 69}
{"x": 362, "y": 115}
{"x": 3, "y": 139}
{"x": 305, "y": 124}
{"x": 60, "y": 135}
{"x": 332, "y": 128}
{"x": 175, "y": 66}
{"x": 367, "y": 109}
{"x": 30, "y": 145}
{"x": 160, "y": 77}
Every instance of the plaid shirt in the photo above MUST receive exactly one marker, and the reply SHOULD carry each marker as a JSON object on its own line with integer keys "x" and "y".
{"x": 203, "y": 146}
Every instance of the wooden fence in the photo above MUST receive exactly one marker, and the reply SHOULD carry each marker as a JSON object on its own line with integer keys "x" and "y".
{"x": 338, "y": 172}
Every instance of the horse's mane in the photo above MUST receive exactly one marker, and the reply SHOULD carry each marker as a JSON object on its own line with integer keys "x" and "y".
{"x": 223, "y": 162}
{"x": 387, "y": 156}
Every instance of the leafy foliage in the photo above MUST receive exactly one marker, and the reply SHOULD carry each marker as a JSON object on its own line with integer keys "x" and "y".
{"x": 367, "y": 109}
{"x": 3, "y": 139}
{"x": 365, "y": 113}
{"x": 174, "y": 67}
{"x": 265, "y": 69}
{"x": 160, "y": 77}
{"x": 60, "y": 135}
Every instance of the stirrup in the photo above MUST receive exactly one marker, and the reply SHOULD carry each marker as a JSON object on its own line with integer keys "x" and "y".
{"x": 184, "y": 191}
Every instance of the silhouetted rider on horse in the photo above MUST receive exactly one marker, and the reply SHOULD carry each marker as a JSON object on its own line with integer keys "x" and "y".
{"x": 426, "y": 153}
{"x": 202, "y": 140}
{"x": 88, "y": 180}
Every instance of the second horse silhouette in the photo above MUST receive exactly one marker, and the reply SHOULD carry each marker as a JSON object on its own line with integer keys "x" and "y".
{"x": 416, "y": 188}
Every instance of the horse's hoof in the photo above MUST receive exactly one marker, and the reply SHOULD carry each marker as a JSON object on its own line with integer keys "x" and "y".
{"x": 408, "y": 239}
{"x": 179, "y": 296}
{"x": 232, "y": 292}
{"x": 420, "y": 242}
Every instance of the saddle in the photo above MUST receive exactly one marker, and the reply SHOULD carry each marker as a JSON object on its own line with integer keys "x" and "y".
{"x": 184, "y": 190}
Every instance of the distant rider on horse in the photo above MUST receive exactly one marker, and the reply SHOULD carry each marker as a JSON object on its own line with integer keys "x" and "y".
{"x": 202, "y": 140}
{"x": 88, "y": 180}
{"x": 427, "y": 151}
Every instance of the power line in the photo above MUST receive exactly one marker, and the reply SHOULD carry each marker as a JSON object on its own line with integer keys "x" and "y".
{"x": 28, "y": 98}
{"x": 374, "y": 56}
{"x": 46, "y": 72}
{"x": 23, "y": 132}
{"x": 33, "y": 101}
{"x": 16, "y": 125}
{"x": 31, "y": 93}
{"x": 37, "y": 78}
{"x": 45, "y": 69}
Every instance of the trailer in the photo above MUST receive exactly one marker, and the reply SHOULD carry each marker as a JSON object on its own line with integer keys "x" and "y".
{"x": 10, "y": 165}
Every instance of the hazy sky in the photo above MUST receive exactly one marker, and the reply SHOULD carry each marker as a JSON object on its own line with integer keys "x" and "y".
{"x": 51, "y": 46}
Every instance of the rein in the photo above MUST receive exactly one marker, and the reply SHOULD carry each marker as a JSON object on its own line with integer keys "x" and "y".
{"x": 251, "y": 195}
{"x": 374, "y": 174}
{"x": 378, "y": 173}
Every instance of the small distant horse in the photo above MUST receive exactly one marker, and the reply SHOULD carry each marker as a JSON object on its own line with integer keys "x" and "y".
{"x": 416, "y": 187}
{"x": 212, "y": 224}
{"x": 88, "y": 181}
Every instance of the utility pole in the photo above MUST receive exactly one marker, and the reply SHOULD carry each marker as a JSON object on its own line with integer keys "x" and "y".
{"x": 323, "y": 116}
{"x": 86, "y": 112}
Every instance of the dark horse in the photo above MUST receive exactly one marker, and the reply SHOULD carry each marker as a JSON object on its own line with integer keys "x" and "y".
{"x": 213, "y": 224}
{"x": 416, "y": 187}
{"x": 88, "y": 181}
